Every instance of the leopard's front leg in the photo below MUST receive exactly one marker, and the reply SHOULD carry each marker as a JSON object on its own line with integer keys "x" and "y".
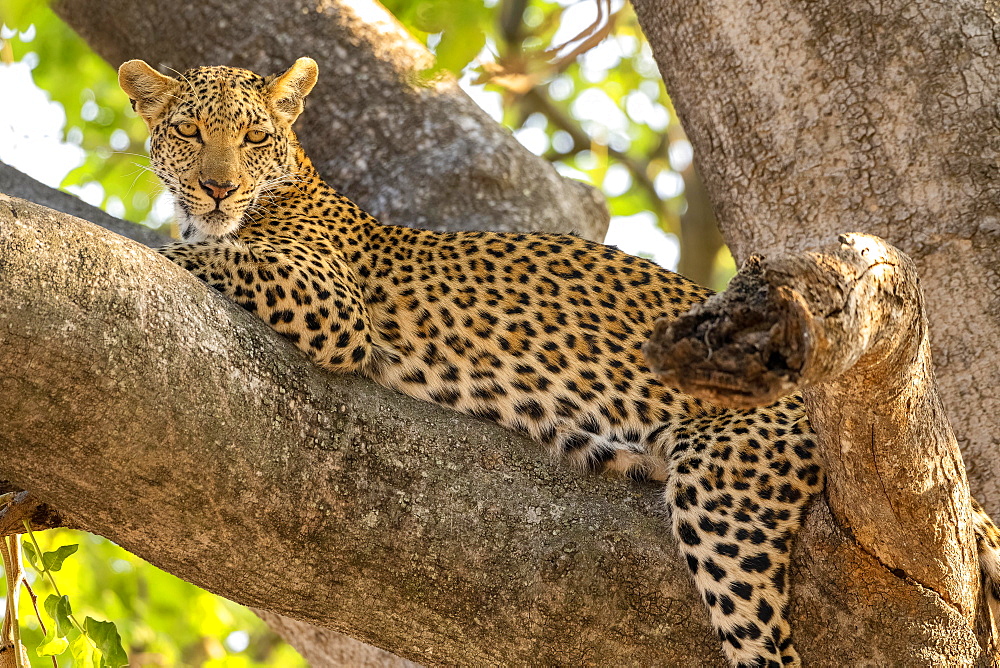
{"x": 317, "y": 304}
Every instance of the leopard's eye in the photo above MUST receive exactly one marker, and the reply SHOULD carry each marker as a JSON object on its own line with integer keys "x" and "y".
{"x": 187, "y": 129}
{"x": 256, "y": 136}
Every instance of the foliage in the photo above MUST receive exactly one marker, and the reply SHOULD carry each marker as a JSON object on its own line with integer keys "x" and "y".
{"x": 98, "y": 116}
{"x": 162, "y": 621}
{"x": 95, "y": 643}
{"x": 578, "y": 85}
{"x": 461, "y": 26}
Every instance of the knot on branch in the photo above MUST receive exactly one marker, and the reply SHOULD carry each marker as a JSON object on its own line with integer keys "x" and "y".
{"x": 791, "y": 321}
{"x": 736, "y": 347}
{"x": 17, "y": 505}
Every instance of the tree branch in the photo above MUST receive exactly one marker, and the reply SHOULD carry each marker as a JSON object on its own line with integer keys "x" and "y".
{"x": 397, "y": 522}
{"x": 847, "y": 326}
{"x": 403, "y": 524}
{"x": 320, "y": 647}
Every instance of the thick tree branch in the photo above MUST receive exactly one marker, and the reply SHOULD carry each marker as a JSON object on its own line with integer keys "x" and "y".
{"x": 23, "y": 506}
{"x": 847, "y": 326}
{"x": 392, "y": 520}
{"x": 409, "y": 151}
{"x": 320, "y": 646}
{"x": 403, "y": 524}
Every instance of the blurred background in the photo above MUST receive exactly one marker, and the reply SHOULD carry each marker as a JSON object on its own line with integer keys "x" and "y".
{"x": 575, "y": 82}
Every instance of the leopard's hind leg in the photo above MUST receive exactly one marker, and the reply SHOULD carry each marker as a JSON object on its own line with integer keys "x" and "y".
{"x": 737, "y": 487}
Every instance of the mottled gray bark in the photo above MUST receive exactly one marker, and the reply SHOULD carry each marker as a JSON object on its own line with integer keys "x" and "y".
{"x": 813, "y": 119}
{"x": 411, "y": 152}
{"x": 845, "y": 326}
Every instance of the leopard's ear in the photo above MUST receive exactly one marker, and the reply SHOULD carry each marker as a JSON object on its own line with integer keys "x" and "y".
{"x": 286, "y": 91}
{"x": 148, "y": 90}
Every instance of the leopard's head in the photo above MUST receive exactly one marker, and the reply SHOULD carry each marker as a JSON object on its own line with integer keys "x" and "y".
{"x": 220, "y": 138}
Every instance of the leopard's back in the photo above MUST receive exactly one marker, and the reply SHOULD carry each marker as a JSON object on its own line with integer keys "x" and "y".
{"x": 542, "y": 333}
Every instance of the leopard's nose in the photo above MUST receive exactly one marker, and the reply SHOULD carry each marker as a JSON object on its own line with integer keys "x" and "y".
{"x": 218, "y": 191}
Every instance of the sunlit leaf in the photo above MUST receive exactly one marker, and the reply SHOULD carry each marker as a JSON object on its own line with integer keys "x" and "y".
{"x": 30, "y": 554}
{"x": 53, "y": 561}
{"x": 457, "y": 49}
{"x": 105, "y": 636}
{"x": 52, "y": 644}
{"x": 59, "y": 610}
{"x": 84, "y": 654}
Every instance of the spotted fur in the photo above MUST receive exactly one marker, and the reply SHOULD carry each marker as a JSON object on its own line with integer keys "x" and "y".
{"x": 539, "y": 332}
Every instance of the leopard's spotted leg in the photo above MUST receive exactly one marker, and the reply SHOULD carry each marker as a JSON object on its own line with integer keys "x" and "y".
{"x": 316, "y": 303}
{"x": 738, "y": 484}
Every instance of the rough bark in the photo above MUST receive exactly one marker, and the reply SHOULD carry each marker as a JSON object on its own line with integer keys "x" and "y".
{"x": 813, "y": 119}
{"x": 410, "y": 152}
{"x": 397, "y": 522}
{"x": 846, "y": 326}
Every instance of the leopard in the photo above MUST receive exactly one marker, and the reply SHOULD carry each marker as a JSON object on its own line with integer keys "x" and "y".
{"x": 541, "y": 333}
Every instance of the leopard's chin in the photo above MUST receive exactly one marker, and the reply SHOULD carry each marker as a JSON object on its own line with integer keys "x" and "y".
{"x": 211, "y": 225}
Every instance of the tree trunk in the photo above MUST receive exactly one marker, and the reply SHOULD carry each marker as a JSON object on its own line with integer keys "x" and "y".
{"x": 700, "y": 238}
{"x": 813, "y": 119}
{"x": 410, "y": 152}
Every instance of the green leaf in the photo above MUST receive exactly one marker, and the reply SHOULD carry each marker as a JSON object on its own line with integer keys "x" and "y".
{"x": 85, "y": 655}
{"x": 29, "y": 552}
{"x": 53, "y": 561}
{"x": 105, "y": 636}
{"x": 54, "y": 642}
{"x": 456, "y": 50}
{"x": 52, "y": 646}
{"x": 462, "y": 25}
{"x": 59, "y": 609}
